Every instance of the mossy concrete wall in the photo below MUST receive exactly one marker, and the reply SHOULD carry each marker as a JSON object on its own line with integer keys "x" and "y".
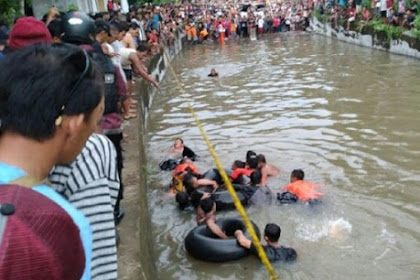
{"x": 407, "y": 45}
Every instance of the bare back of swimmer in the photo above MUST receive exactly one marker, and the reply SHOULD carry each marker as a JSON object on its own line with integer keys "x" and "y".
{"x": 266, "y": 169}
{"x": 208, "y": 207}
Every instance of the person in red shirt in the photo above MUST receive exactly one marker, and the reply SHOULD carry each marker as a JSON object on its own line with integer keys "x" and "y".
{"x": 351, "y": 16}
{"x": 153, "y": 36}
{"x": 304, "y": 191}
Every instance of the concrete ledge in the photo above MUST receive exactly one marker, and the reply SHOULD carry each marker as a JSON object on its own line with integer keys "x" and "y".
{"x": 407, "y": 45}
{"x": 135, "y": 253}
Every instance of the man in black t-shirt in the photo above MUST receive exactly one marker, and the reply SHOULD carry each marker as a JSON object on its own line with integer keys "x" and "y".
{"x": 274, "y": 251}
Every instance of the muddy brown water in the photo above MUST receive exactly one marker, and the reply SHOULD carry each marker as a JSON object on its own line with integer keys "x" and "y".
{"x": 348, "y": 116}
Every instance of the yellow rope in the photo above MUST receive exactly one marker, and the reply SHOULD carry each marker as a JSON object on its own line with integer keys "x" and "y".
{"x": 261, "y": 253}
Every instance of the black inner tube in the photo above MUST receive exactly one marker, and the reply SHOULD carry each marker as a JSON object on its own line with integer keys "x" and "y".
{"x": 202, "y": 244}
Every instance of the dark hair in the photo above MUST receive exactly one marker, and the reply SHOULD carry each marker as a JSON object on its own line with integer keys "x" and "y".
{"x": 207, "y": 204}
{"x": 182, "y": 200}
{"x": 261, "y": 158}
{"x": 252, "y": 162}
{"x": 188, "y": 183}
{"x": 180, "y": 139}
{"x": 255, "y": 177}
{"x": 115, "y": 25}
{"x": 123, "y": 26}
{"x": 102, "y": 25}
{"x": 40, "y": 83}
{"x": 298, "y": 174}
{"x": 196, "y": 197}
{"x": 272, "y": 231}
{"x": 56, "y": 28}
{"x": 143, "y": 48}
{"x": 134, "y": 25}
{"x": 250, "y": 154}
{"x": 239, "y": 164}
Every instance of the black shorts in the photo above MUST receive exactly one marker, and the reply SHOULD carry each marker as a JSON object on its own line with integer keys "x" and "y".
{"x": 128, "y": 74}
{"x": 383, "y": 14}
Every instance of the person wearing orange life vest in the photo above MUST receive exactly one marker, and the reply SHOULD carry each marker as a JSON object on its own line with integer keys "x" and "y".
{"x": 184, "y": 167}
{"x": 242, "y": 175}
{"x": 302, "y": 190}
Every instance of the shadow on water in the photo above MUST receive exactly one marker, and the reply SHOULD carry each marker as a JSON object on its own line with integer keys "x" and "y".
{"x": 346, "y": 115}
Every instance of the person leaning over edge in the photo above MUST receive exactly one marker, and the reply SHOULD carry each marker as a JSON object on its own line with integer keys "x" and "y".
{"x": 51, "y": 100}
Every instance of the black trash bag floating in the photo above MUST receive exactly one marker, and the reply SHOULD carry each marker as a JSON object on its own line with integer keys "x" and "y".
{"x": 287, "y": 197}
{"x": 169, "y": 164}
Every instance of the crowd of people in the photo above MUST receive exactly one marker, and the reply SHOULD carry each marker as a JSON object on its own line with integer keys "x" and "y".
{"x": 400, "y": 13}
{"x": 66, "y": 87}
{"x": 196, "y": 190}
{"x": 215, "y": 20}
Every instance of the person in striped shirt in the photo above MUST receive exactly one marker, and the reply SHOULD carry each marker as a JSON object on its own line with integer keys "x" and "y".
{"x": 91, "y": 184}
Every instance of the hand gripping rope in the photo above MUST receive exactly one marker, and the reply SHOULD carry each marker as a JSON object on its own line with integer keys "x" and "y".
{"x": 228, "y": 184}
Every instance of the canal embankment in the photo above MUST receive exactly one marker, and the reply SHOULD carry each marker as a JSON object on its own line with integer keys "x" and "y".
{"x": 135, "y": 252}
{"x": 366, "y": 36}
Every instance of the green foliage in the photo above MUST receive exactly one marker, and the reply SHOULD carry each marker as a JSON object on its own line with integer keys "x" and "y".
{"x": 416, "y": 27}
{"x": 366, "y": 4}
{"x": 10, "y": 10}
{"x": 73, "y": 7}
{"x": 392, "y": 32}
{"x": 417, "y": 22}
{"x": 322, "y": 18}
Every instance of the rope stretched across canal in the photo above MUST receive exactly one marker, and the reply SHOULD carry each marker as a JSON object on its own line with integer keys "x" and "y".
{"x": 261, "y": 253}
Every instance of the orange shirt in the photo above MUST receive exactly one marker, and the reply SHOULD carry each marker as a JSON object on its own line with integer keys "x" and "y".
{"x": 180, "y": 168}
{"x": 241, "y": 171}
{"x": 204, "y": 33}
{"x": 303, "y": 190}
{"x": 193, "y": 32}
{"x": 233, "y": 27}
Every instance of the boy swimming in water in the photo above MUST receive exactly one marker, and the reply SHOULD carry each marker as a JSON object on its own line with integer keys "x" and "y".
{"x": 302, "y": 190}
{"x": 274, "y": 251}
{"x": 180, "y": 150}
{"x": 213, "y": 73}
{"x": 206, "y": 214}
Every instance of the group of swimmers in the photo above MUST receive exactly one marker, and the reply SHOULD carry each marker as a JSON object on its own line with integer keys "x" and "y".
{"x": 249, "y": 178}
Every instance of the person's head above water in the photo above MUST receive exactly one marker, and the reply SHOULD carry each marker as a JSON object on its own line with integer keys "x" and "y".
{"x": 255, "y": 177}
{"x": 250, "y": 154}
{"x": 182, "y": 200}
{"x": 272, "y": 233}
{"x": 296, "y": 175}
{"x": 208, "y": 205}
{"x": 238, "y": 164}
{"x": 213, "y": 73}
{"x": 261, "y": 160}
{"x": 188, "y": 182}
{"x": 179, "y": 143}
{"x": 252, "y": 162}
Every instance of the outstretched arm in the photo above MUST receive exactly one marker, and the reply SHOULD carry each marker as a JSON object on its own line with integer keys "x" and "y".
{"x": 242, "y": 240}
{"x": 138, "y": 69}
{"x": 207, "y": 182}
{"x": 215, "y": 229}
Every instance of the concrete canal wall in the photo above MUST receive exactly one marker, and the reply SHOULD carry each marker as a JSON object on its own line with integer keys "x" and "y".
{"x": 407, "y": 45}
{"x": 135, "y": 253}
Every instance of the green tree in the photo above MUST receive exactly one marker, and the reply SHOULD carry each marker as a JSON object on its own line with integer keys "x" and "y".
{"x": 10, "y": 10}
